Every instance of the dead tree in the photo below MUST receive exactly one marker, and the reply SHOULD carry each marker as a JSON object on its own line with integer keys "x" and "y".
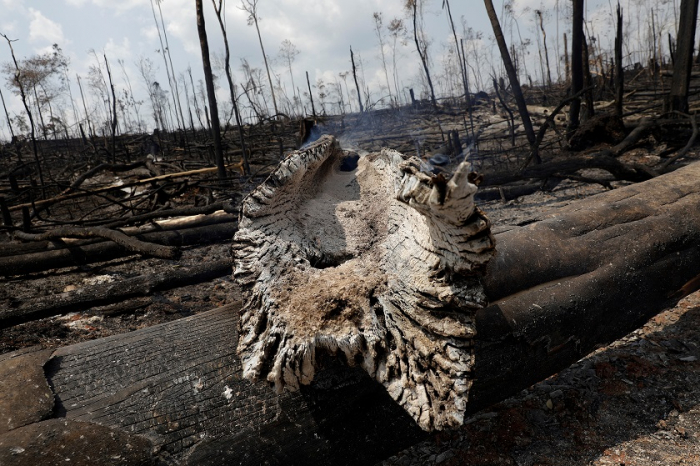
{"x": 234, "y": 101}
{"x": 683, "y": 63}
{"x": 211, "y": 93}
{"x": 422, "y": 49}
{"x": 354, "y": 75}
{"x": 251, "y": 7}
{"x": 113, "y": 119}
{"x": 576, "y": 63}
{"x": 175, "y": 393}
{"x": 513, "y": 78}
{"x": 619, "y": 73}
{"x": 22, "y": 93}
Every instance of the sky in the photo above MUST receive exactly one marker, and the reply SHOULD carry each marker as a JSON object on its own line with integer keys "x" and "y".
{"x": 322, "y": 30}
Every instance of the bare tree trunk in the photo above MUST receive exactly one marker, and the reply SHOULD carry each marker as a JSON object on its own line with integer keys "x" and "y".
{"x": 590, "y": 110}
{"x": 513, "y": 78}
{"x": 678, "y": 97}
{"x": 209, "y": 79}
{"x": 231, "y": 87}
{"x": 460, "y": 59}
{"x": 168, "y": 70}
{"x": 354, "y": 75}
{"x": 35, "y": 149}
{"x": 7, "y": 116}
{"x": 576, "y": 64}
{"x": 311, "y": 95}
{"x": 546, "y": 52}
{"x": 114, "y": 112}
{"x": 87, "y": 115}
{"x": 619, "y": 73}
{"x": 567, "y": 66}
{"x": 422, "y": 54}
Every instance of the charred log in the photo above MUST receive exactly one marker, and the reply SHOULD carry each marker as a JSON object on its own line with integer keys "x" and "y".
{"x": 558, "y": 288}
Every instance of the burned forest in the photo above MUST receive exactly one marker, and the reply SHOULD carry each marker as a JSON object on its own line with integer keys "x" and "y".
{"x": 486, "y": 253}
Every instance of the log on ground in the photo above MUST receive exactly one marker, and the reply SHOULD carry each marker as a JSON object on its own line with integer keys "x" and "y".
{"x": 560, "y": 287}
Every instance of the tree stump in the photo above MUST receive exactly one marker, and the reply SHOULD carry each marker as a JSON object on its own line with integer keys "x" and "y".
{"x": 380, "y": 265}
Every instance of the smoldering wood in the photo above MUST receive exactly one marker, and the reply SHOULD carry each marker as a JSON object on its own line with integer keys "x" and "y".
{"x": 381, "y": 264}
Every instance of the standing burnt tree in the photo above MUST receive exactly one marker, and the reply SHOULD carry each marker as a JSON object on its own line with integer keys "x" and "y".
{"x": 513, "y": 78}
{"x": 683, "y": 62}
{"x": 421, "y": 46}
{"x": 251, "y": 7}
{"x": 576, "y": 63}
{"x": 209, "y": 78}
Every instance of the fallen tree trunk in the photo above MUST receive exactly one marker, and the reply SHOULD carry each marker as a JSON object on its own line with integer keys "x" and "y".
{"x": 112, "y": 292}
{"x": 73, "y": 255}
{"x": 559, "y": 288}
{"x": 191, "y": 218}
{"x": 127, "y": 242}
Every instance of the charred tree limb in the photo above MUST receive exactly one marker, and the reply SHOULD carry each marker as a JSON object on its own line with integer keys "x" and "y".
{"x": 85, "y": 193}
{"x": 112, "y": 292}
{"x": 129, "y": 243}
{"x": 72, "y": 255}
{"x": 684, "y": 151}
{"x": 550, "y": 121}
{"x": 559, "y": 288}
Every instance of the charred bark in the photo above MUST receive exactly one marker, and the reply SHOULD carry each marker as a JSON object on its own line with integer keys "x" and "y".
{"x": 64, "y": 254}
{"x": 513, "y": 78}
{"x": 112, "y": 292}
{"x": 683, "y": 63}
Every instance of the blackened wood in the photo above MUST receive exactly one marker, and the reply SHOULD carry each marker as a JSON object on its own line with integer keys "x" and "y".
{"x": 619, "y": 74}
{"x": 113, "y": 292}
{"x": 104, "y": 251}
{"x": 683, "y": 64}
{"x": 576, "y": 62}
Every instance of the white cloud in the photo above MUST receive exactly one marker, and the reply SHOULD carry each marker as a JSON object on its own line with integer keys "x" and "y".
{"x": 42, "y": 29}
{"x": 118, "y": 51}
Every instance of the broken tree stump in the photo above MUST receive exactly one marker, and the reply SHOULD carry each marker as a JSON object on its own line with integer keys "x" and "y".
{"x": 591, "y": 273}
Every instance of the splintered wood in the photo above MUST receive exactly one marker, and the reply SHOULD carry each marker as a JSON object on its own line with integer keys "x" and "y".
{"x": 380, "y": 266}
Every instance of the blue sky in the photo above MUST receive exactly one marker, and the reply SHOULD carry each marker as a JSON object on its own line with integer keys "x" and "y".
{"x": 322, "y": 30}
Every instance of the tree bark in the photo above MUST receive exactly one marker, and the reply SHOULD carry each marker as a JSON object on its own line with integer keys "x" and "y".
{"x": 512, "y": 77}
{"x": 211, "y": 95}
{"x": 73, "y": 255}
{"x": 112, "y": 292}
{"x": 683, "y": 64}
{"x": 354, "y": 75}
{"x": 576, "y": 63}
{"x": 619, "y": 73}
{"x": 559, "y": 289}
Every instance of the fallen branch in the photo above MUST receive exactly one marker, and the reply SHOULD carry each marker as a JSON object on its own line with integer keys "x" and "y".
{"x": 104, "y": 251}
{"x": 75, "y": 195}
{"x": 113, "y": 292}
{"x": 99, "y": 168}
{"x": 549, "y": 121}
{"x": 684, "y": 151}
{"x": 127, "y": 242}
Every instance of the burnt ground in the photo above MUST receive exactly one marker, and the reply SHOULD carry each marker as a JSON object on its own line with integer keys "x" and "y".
{"x": 634, "y": 402}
